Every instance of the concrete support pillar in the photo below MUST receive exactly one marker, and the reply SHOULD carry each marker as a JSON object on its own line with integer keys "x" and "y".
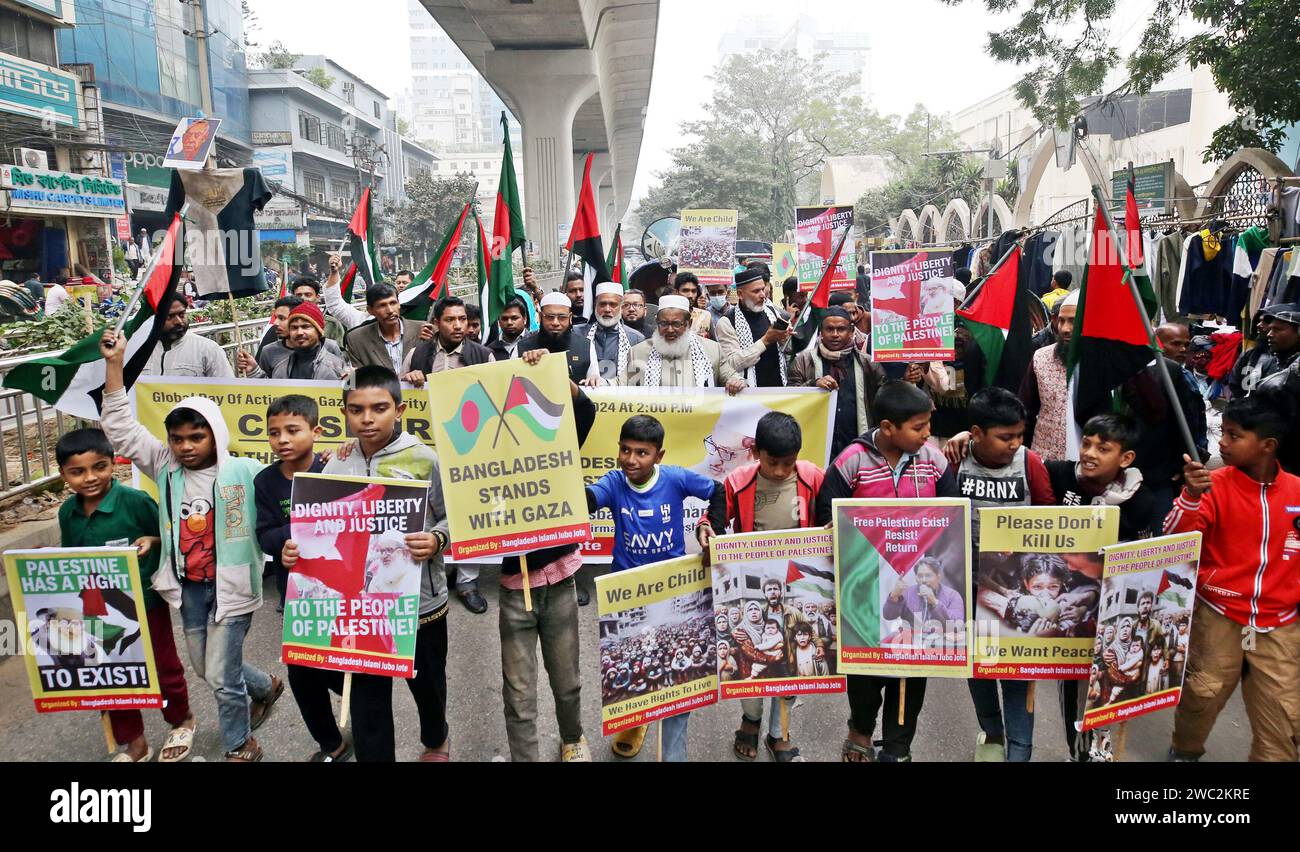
{"x": 546, "y": 87}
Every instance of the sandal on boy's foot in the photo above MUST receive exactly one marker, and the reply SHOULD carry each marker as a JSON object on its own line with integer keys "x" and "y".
{"x": 178, "y": 737}
{"x": 575, "y": 752}
{"x": 746, "y": 744}
{"x": 123, "y": 757}
{"x": 987, "y": 752}
{"x": 339, "y": 755}
{"x": 262, "y": 709}
{"x": 431, "y": 756}
{"x": 584, "y": 596}
{"x": 245, "y": 753}
{"x": 852, "y": 752}
{"x": 628, "y": 743}
{"x": 788, "y": 755}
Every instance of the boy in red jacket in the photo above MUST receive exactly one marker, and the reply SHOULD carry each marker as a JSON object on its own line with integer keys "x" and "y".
{"x": 776, "y": 492}
{"x": 1248, "y": 588}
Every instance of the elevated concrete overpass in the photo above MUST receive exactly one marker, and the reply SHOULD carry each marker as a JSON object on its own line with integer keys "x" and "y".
{"x": 576, "y": 73}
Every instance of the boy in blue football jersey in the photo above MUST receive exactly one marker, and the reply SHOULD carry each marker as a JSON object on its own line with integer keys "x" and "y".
{"x": 647, "y": 501}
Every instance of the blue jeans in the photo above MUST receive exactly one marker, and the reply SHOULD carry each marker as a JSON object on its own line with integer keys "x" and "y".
{"x": 217, "y": 655}
{"x": 674, "y": 734}
{"x": 751, "y": 709}
{"x": 1011, "y": 719}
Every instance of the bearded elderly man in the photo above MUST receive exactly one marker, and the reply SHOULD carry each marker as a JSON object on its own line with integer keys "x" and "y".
{"x": 677, "y": 357}
{"x": 751, "y": 343}
{"x": 557, "y": 336}
{"x": 612, "y": 339}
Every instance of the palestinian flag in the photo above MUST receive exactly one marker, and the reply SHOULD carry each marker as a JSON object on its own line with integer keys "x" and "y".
{"x": 617, "y": 273}
{"x": 859, "y": 602}
{"x": 428, "y": 286}
{"x": 997, "y": 315}
{"x": 483, "y": 264}
{"x": 1169, "y": 579}
{"x": 584, "y": 240}
{"x": 475, "y": 411}
{"x": 809, "y": 320}
{"x": 348, "y": 281}
{"x": 527, "y": 402}
{"x": 1111, "y": 342}
{"x": 74, "y": 381}
{"x": 361, "y": 245}
{"x": 1134, "y": 252}
{"x": 810, "y": 580}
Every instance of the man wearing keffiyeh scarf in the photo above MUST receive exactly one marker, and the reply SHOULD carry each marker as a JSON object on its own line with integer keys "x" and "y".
{"x": 612, "y": 339}
{"x": 676, "y": 357}
{"x": 751, "y": 343}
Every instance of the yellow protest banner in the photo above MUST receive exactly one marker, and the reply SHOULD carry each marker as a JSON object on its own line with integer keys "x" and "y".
{"x": 1039, "y": 587}
{"x": 508, "y": 454}
{"x": 784, "y": 262}
{"x": 705, "y": 430}
{"x": 658, "y": 654}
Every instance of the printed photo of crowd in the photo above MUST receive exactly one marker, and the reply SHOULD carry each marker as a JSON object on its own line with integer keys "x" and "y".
{"x": 702, "y": 247}
{"x": 646, "y": 649}
{"x": 1141, "y": 645}
{"x": 769, "y": 628}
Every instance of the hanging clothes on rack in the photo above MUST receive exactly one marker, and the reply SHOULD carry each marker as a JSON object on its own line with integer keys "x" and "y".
{"x": 1261, "y": 285}
{"x": 1168, "y": 254}
{"x": 1206, "y": 286}
{"x": 1036, "y": 261}
{"x": 1291, "y": 211}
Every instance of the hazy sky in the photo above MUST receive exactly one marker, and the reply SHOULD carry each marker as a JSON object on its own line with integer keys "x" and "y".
{"x": 922, "y": 51}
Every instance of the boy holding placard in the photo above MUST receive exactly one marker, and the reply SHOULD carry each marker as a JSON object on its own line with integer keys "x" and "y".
{"x": 1248, "y": 587}
{"x": 1001, "y": 471}
{"x": 104, "y": 513}
{"x": 292, "y": 428}
{"x": 776, "y": 492}
{"x": 373, "y": 407}
{"x": 892, "y": 460}
{"x": 211, "y": 563}
{"x": 646, "y": 500}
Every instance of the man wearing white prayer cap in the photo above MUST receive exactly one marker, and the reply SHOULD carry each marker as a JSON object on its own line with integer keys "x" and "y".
{"x": 556, "y": 335}
{"x": 677, "y": 357}
{"x": 613, "y": 340}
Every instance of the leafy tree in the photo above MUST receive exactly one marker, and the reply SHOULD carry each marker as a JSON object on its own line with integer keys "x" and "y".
{"x": 320, "y": 77}
{"x": 431, "y": 207}
{"x": 1249, "y": 46}
{"x": 773, "y": 121}
{"x": 276, "y": 56}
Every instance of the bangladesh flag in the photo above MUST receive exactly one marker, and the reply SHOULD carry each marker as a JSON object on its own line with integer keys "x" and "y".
{"x": 508, "y": 222}
{"x": 617, "y": 273}
{"x": 73, "y": 382}
{"x": 361, "y": 245}
{"x": 584, "y": 240}
{"x": 527, "y": 402}
{"x": 997, "y": 316}
{"x": 476, "y": 409}
{"x": 428, "y": 286}
{"x": 1111, "y": 342}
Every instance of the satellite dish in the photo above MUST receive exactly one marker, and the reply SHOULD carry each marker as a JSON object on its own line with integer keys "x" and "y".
{"x": 660, "y": 238}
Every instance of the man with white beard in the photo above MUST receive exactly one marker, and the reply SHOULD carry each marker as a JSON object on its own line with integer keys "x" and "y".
{"x": 677, "y": 357}
{"x": 751, "y": 342}
{"x": 612, "y": 339}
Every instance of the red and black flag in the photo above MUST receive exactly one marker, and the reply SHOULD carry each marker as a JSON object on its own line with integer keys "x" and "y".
{"x": 584, "y": 239}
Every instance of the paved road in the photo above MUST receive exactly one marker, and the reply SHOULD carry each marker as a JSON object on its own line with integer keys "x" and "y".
{"x": 947, "y": 729}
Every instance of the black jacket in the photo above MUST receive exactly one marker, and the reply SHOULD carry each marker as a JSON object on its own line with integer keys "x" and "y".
{"x": 472, "y": 353}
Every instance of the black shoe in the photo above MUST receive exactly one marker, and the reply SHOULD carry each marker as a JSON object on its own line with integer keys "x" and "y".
{"x": 473, "y": 601}
{"x": 584, "y": 597}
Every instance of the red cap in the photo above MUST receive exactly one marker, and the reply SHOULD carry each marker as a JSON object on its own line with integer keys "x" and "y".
{"x": 311, "y": 312}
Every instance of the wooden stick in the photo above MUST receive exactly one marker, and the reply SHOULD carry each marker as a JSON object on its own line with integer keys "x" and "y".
{"x": 1120, "y": 741}
{"x": 108, "y": 732}
{"x": 902, "y": 698}
{"x": 785, "y": 722}
{"x": 1029, "y": 697}
{"x": 347, "y": 699}
{"x": 234, "y": 317}
{"x": 528, "y": 594}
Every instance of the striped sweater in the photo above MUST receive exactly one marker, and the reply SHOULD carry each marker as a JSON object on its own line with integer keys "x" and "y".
{"x": 862, "y": 471}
